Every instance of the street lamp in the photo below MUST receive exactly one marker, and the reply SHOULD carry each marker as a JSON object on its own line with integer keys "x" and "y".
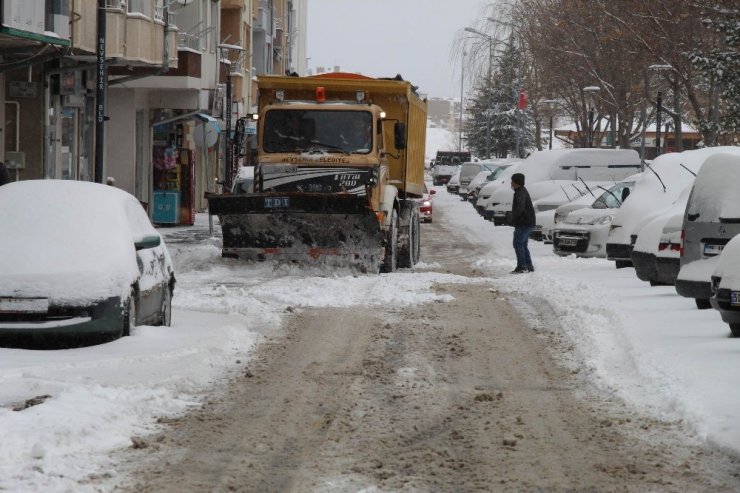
{"x": 490, "y": 40}
{"x": 590, "y": 91}
{"x": 551, "y": 106}
{"x": 462, "y": 87}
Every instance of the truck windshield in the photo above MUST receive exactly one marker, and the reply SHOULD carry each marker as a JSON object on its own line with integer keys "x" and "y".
{"x": 318, "y": 131}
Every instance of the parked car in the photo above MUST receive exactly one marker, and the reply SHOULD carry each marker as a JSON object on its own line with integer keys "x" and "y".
{"x": 711, "y": 220}
{"x": 484, "y": 178}
{"x": 725, "y": 285}
{"x": 453, "y": 186}
{"x": 585, "y": 231}
{"x": 548, "y": 220}
{"x": 426, "y": 207}
{"x": 659, "y": 186}
{"x": 442, "y": 173}
{"x": 78, "y": 261}
{"x": 656, "y": 252}
{"x": 501, "y": 181}
{"x": 468, "y": 171}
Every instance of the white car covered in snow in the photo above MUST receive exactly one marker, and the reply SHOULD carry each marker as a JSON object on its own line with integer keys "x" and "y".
{"x": 585, "y": 231}
{"x": 726, "y": 285}
{"x": 711, "y": 220}
{"x": 656, "y": 254}
{"x": 79, "y": 262}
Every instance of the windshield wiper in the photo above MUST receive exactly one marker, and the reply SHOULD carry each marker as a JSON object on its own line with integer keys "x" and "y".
{"x": 589, "y": 190}
{"x": 329, "y": 146}
{"x": 566, "y": 193}
{"x": 659, "y": 178}
{"x": 610, "y": 193}
{"x": 687, "y": 169}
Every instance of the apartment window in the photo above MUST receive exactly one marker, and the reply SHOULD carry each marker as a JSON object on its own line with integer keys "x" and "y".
{"x": 159, "y": 10}
{"x": 140, "y": 7}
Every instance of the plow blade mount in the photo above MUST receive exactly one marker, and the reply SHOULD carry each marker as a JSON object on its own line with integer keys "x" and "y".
{"x": 300, "y": 228}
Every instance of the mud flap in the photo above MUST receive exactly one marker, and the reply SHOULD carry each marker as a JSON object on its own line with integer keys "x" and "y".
{"x": 301, "y": 228}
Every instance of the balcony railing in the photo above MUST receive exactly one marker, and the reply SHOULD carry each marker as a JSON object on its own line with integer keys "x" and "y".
{"x": 185, "y": 40}
{"x": 140, "y": 7}
{"x": 115, "y": 4}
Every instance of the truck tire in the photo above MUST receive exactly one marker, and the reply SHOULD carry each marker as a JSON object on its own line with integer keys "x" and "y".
{"x": 409, "y": 251}
{"x": 391, "y": 245}
{"x": 417, "y": 236}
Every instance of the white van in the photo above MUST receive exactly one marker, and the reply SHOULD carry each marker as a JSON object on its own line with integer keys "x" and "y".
{"x": 711, "y": 220}
{"x": 568, "y": 165}
{"x": 468, "y": 171}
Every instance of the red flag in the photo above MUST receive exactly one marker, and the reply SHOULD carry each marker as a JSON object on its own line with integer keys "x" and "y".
{"x": 522, "y": 104}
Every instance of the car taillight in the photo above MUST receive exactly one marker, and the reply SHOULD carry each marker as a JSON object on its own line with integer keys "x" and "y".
{"x": 683, "y": 237}
{"x": 663, "y": 246}
{"x": 675, "y": 247}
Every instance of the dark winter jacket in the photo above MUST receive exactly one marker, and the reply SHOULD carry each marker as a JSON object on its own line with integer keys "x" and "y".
{"x": 522, "y": 210}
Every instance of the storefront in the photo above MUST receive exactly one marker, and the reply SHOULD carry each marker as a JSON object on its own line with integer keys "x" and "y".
{"x": 180, "y": 158}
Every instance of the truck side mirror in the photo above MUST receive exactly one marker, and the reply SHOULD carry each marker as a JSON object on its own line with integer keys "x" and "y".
{"x": 399, "y": 134}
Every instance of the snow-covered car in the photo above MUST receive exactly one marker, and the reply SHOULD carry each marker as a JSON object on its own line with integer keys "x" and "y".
{"x": 501, "y": 212}
{"x": 585, "y": 231}
{"x": 468, "y": 171}
{"x": 547, "y": 221}
{"x": 502, "y": 181}
{"x": 78, "y": 260}
{"x": 453, "y": 185}
{"x": 658, "y": 187}
{"x": 426, "y": 205}
{"x": 545, "y": 207}
{"x": 655, "y": 255}
{"x": 725, "y": 285}
{"x": 711, "y": 220}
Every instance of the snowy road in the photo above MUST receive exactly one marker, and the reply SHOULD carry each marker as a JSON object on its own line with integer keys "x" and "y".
{"x": 455, "y": 376}
{"x": 459, "y": 394}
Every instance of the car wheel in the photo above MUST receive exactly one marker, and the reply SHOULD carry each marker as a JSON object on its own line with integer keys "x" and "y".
{"x": 391, "y": 246}
{"x": 129, "y": 314}
{"x": 735, "y": 330}
{"x": 622, "y": 264}
{"x": 702, "y": 304}
{"x": 165, "y": 317}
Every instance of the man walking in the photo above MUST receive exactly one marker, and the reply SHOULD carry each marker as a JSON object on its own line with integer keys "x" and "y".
{"x": 523, "y": 220}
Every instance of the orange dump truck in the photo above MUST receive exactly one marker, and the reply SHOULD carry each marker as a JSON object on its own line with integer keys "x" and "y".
{"x": 339, "y": 176}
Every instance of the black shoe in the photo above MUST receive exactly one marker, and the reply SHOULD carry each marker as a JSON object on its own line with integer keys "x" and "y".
{"x": 530, "y": 268}
{"x": 519, "y": 270}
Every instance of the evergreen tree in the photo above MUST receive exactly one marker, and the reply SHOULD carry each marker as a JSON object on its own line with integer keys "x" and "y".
{"x": 494, "y": 103}
{"x": 720, "y": 67}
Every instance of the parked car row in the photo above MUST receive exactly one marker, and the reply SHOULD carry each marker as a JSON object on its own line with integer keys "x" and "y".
{"x": 676, "y": 223}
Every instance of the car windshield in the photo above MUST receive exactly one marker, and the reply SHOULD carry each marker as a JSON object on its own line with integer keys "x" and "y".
{"x": 613, "y": 197}
{"x": 333, "y": 131}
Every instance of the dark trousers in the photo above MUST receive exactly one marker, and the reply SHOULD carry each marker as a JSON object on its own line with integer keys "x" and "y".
{"x": 521, "y": 237}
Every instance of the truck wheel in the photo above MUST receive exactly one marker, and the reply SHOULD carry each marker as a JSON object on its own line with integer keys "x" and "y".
{"x": 417, "y": 238}
{"x": 409, "y": 252}
{"x": 391, "y": 245}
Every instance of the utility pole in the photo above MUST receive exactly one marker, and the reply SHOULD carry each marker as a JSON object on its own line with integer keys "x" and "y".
{"x": 100, "y": 97}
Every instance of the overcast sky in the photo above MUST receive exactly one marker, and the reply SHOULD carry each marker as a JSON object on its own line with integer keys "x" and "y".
{"x": 382, "y": 38}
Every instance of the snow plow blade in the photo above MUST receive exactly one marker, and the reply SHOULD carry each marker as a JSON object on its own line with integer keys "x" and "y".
{"x": 299, "y": 228}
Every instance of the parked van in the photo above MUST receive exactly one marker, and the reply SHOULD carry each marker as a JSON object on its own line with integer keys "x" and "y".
{"x": 726, "y": 286}
{"x": 468, "y": 171}
{"x": 569, "y": 164}
{"x": 711, "y": 220}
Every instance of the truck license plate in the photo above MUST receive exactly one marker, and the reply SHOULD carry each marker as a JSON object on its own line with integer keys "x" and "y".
{"x": 277, "y": 202}
{"x": 735, "y": 298}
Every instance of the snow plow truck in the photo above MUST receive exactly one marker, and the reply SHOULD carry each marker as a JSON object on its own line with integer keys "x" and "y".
{"x": 339, "y": 174}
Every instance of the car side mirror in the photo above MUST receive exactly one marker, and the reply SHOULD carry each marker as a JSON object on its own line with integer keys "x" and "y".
{"x": 148, "y": 241}
{"x": 399, "y": 134}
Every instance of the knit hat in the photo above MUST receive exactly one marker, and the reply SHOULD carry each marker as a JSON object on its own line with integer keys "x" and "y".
{"x": 518, "y": 178}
